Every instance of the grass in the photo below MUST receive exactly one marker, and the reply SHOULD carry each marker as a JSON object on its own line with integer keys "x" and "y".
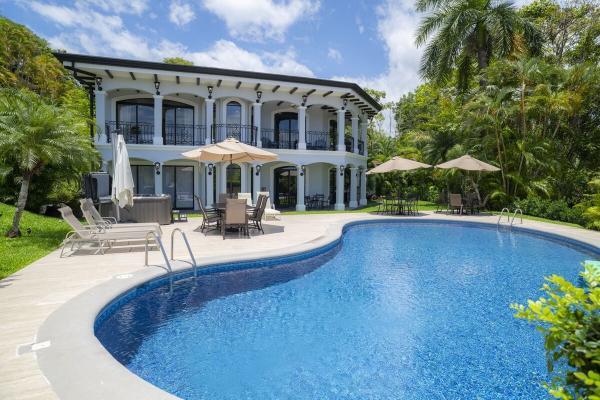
{"x": 539, "y": 219}
{"x": 46, "y": 235}
{"x": 371, "y": 207}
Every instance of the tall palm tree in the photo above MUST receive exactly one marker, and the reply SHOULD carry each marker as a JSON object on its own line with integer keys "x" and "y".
{"x": 465, "y": 33}
{"x": 35, "y": 134}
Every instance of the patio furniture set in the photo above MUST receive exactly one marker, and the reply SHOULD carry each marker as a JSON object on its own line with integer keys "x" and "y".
{"x": 399, "y": 205}
{"x": 461, "y": 204}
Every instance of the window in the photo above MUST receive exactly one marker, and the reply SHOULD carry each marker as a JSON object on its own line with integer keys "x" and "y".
{"x": 178, "y": 182}
{"x": 234, "y": 178}
{"x": 234, "y": 113}
{"x": 136, "y": 111}
{"x": 143, "y": 179}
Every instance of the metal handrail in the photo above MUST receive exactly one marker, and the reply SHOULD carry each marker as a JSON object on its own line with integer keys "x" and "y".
{"x": 162, "y": 249}
{"x": 502, "y": 213}
{"x": 187, "y": 244}
{"x": 517, "y": 210}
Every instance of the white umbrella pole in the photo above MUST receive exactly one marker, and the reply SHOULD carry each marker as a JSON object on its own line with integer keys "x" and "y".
{"x": 113, "y": 140}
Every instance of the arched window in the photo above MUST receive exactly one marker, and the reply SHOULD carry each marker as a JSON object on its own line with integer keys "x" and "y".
{"x": 234, "y": 113}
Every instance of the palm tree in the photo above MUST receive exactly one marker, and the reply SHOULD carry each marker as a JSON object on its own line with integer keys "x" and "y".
{"x": 468, "y": 32}
{"x": 35, "y": 134}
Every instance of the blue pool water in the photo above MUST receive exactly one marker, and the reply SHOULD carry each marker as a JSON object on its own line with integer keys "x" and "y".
{"x": 396, "y": 311}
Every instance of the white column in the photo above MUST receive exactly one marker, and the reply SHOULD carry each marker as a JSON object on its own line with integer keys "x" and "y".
{"x": 158, "y": 180}
{"x": 363, "y": 134}
{"x": 300, "y": 190}
{"x": 210, "y": 190}
{"x": 255, "y": 185}
{"x": 355, "y": 134}
{"x": 353, "y": 186}
{"x": 158, "y": 139}
{"x": 244, "y": 178}
{"x": 257, "y": 122}
{"x": 341, "y": 119}
{"x": 302, "y": 128}
{"x": 196, "y": 183}
{"x": 102, "y": 135}
{"x": 339, "y": 189}
{"x": 222, "y": 178}
{"x": 208, "y": 104}
{"x": 363, "y": 187}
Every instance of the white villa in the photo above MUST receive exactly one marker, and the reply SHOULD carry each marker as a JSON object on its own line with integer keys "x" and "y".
{"x": 317, "y": 127}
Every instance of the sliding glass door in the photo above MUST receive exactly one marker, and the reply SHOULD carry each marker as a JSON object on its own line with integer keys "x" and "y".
{"x": 178, "y": 182}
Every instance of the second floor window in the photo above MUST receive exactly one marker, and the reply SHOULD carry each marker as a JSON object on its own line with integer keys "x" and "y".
{"x": 136, "y": 111}
{"x": 234, "y": 113}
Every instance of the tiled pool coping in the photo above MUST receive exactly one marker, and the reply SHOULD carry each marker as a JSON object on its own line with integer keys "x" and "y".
{"x": 77, "y": 362}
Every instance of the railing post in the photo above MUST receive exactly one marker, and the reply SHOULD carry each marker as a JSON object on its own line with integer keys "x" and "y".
{"x": 302, "y": 128}
{"x": 158, "y": 139}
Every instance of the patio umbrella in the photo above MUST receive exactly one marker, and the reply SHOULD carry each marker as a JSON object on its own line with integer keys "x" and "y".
{"x": 468, "y": 163}
{"x": 231, "y": 150}
{"x": 397, "y": 164}
{"x": 122, "y": 187}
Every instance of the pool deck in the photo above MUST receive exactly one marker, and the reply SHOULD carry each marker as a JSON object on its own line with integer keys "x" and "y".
{"x": 56, "y": 293}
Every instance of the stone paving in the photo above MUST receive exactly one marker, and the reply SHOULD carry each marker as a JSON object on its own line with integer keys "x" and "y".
{"x": 29, "y": 296}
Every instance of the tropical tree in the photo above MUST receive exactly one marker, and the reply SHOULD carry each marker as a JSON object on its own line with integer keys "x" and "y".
{"x": 464, "y": 33}
{"x": 177, "y": 60}
{"x": 34, "y": 135}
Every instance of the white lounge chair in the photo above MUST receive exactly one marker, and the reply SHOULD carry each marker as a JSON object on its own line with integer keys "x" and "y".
{"x": 270, "y": 211}
{"x": 99, "y": 236}
{"x": 93, "y": 218}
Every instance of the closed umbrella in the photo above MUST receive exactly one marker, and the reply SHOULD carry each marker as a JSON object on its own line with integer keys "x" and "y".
{"x": 122, "y": 187}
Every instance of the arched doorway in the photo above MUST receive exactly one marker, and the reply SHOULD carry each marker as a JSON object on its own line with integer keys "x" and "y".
{"x": 234, "y": 178}
{"x": 285, "y": 187}
{"x": 286, "y": 130}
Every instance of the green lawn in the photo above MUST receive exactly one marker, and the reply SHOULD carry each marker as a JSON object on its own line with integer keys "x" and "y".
{"x": 371, "y": 207}
{"x": 46, "y": 234}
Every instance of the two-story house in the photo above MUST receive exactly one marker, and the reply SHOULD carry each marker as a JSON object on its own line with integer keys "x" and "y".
{"x": 317, "y": 127}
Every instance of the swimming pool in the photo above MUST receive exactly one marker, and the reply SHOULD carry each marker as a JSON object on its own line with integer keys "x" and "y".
{"x": 394, "y": 311}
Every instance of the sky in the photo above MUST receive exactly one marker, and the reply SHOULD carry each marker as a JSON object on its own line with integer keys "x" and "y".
{"x": 370, "y": 42}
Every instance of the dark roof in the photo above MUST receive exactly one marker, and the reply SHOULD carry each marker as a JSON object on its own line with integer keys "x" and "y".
{"x": 119, "y": 62}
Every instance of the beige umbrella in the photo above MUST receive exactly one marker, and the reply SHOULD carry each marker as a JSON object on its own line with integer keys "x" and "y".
{"x": 397, "y": 164}
{"x": 231, "y": 150}
{"x": 468, "y": 163}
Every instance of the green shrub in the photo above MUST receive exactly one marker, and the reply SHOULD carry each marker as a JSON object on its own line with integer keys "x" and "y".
{"x": 569, "y": 318}
{"x": 557, "y": 210}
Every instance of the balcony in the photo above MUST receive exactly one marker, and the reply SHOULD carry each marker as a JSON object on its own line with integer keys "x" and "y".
{"x": 279, "y": 139}
{"x": 137, "y": 133}
{"x": 244, "y": 133}
{"x": 319, "y": 140}
{"x": 185, "y": 135}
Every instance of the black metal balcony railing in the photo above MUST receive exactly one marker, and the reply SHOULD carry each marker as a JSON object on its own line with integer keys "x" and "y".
{"x": 281, "y": 139}
{"x": 243, "y": 133}
{"x": 186, "y": 135}
{"x": 361, "y": 147}
{"x": 138, "y": 133}
{"x": 319, "y": 140}
{"x": 349, "y": 142}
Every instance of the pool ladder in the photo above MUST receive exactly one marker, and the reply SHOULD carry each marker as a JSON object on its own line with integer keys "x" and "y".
{"x": 158, "y": 241}
{"x": 510, "y": 221}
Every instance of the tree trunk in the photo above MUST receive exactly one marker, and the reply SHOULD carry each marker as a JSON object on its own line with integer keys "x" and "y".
{"x": 482, "y": 63}
{"x": 21, "y": 202}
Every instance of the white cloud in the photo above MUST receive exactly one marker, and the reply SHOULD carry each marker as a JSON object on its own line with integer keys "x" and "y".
{"x": 255, "y": 20}
{"x": 396, "y": 27}
{"x": 118, "y": 6}
{"x": 88, "y": 31}
{"x": 334, "y": 54}
{"x": 359, "y": 25}
{"x": 181, "y": 13}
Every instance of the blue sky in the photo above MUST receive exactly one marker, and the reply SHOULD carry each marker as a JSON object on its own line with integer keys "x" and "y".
{"x": 370, "y": 42}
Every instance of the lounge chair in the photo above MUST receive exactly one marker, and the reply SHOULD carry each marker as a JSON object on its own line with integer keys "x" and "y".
{"x": 255, "y": 218}
{"x": 456, "y": 203}
{"x": 99, "y": 236}
{"x": 93, "y": 218}
{"x": 235, "y": 216}
{"x": 210, "y": 217}
{"x": 270, "y": 211}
